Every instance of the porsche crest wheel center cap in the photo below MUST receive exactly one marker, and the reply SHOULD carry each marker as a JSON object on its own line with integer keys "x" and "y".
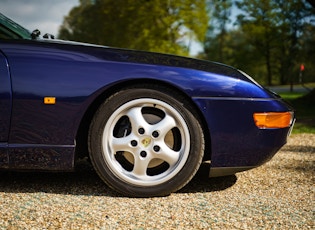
{"x": 146, "y": 141}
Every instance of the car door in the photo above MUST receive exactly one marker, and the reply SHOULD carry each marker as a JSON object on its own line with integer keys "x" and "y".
{"x": 5, "y": 110}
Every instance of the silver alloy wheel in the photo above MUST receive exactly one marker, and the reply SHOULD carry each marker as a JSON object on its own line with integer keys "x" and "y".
{"x": 148, "y": 134}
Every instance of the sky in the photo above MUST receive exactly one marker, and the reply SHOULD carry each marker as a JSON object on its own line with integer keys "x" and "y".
{"x": 47, "y": 15}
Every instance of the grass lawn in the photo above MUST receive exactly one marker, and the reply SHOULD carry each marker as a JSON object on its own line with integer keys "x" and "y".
{"x": 304, "y": 105}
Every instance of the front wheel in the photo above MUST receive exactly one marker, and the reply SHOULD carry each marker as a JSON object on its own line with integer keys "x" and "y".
{"x": 143, "y": 142}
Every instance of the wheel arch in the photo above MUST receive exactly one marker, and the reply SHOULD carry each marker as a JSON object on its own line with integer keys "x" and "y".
{"x": 82, "y": 133}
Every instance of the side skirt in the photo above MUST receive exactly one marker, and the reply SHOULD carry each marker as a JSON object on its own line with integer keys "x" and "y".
{"x": 41, "y": 157}
{"x": 4, "y": 159}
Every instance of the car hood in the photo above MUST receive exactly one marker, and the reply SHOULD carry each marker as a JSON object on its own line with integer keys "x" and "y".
{"x": 151, "y": 58}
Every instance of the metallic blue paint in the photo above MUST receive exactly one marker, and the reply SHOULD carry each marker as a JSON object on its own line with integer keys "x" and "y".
{"x": 5, "y": 99}
{"x": 235, "y": 140}
{"x": 39, "y": 136}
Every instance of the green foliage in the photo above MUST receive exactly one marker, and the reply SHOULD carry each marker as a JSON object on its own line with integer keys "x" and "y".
{"x": 259, "y": 26}
{"x": 304, "y": 110}
{"x": 306, "y": 54}
{"x": 272, "y": 39}
{"x": 163, "y": 26}
{"x": 221, "y": 12}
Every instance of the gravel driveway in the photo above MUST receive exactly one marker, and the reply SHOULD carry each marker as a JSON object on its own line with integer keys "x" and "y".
{"x": 277, "y": 195}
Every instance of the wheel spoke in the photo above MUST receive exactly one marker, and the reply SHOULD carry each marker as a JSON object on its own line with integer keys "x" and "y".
{"x": 140, "y": 167}
{"x": 168, "y": 155}
{"x": 122, "y": 144}
{"x": 136, "y": 118}
{"x": 165, "y": 125}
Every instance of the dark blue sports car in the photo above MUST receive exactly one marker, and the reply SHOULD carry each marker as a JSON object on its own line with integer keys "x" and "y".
{"x": 145, "y": 120}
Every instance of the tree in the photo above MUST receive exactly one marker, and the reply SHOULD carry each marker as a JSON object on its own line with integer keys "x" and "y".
{"x": 306, "y": 54}
{"x": 259, "y": 23}
{"x": 274, "y": 28}
{"x": 221, "y": 12}
{"x": 293, "y": 18}
{"x": 155, "y": 25}
{"x": 237, "y": 52}
{"x": 233, "y": 46}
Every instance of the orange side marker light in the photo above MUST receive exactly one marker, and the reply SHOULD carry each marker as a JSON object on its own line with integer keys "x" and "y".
{"x": 49, "y": 100}
{"x": 273, "y": 120}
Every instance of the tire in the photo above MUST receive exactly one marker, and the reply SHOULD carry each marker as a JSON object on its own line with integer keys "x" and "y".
{"x": 143, "y": 142}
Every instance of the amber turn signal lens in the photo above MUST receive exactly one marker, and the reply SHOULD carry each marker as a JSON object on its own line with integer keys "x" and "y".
{"x": 49, "y": 100}
{"x": 273, "y": 120}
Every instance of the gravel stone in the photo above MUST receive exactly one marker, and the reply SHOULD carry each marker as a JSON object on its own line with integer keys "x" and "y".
{"x": 276, "y": 195}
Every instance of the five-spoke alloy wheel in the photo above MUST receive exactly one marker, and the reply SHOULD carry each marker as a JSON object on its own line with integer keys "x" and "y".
{"x": 143, "y": 142}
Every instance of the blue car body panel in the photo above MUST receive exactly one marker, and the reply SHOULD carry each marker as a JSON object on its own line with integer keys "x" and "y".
{"x": 5, "y": 99}
{"x": 35, "y": 135}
